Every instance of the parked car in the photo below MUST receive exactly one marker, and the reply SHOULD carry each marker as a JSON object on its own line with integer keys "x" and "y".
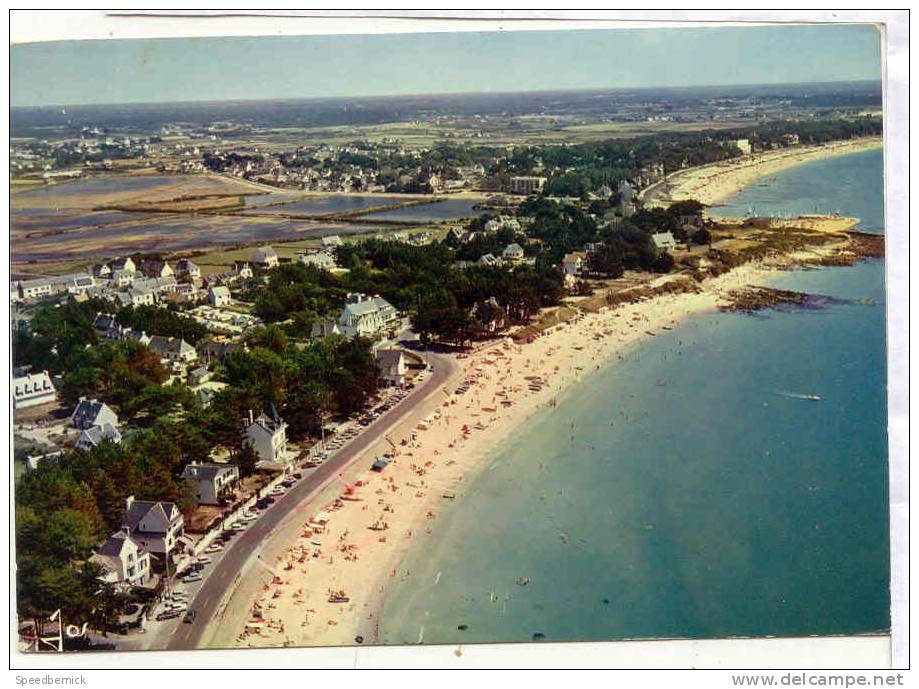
{"x": 194, "y": 576}
{"x": 167, "y": 615}
{"x": 213, "y": 548}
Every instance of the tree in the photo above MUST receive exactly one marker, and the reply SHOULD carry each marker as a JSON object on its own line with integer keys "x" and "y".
{"x": 702, "y": 236}
{"x": 663, "y": 263}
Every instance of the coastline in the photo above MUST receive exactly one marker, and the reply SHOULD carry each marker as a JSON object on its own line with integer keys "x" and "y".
{"x": 714, "y": 183}
{"x": 309, "y": 565}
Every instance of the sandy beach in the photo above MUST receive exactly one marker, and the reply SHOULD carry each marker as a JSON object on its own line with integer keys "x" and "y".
{"x": 712, "y": 184}
{"x": 324, "y": 575}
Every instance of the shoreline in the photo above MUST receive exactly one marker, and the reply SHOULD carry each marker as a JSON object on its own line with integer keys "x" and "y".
{"x": 714, "y": 183}
{"x": 309, "y": 565}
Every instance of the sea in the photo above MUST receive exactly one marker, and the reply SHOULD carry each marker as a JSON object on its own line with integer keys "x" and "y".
{"x": 693, "y": 489}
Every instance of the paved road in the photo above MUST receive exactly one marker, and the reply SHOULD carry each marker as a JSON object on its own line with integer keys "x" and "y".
{"x": 243, "y": 546}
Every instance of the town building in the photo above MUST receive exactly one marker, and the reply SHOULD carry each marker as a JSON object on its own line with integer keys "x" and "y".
{"x": 218, "y": 296}
{"x": 266, "y": 257}
{"x": 365, "y": 316}
{"x": 125, "y": 264}
{"x": 527, "y": 185}
{"x": 172, "y": 349}
{"x": 157, "y": 526}
{"x": 391, "y": 365}
{"x": 513, "y": 252}
{"x": 156, "y": 268}
{"x": 211, "y": 482}
{"x": 187, "y": 269}
{"x": 94, "y": 435}
{"x": 331, "y": 241}
{"x": 125, "y": 561}
{"x": 89, "y": 413}
{"x": 320, "y": 259}
{"x": 664, "y": 241}
{"x": 267, "y": 436}
{"x": 211, "y": 350}
{"x": 744, "y": 146}
{"x": 32, "y": 390}
{"x": 573, "y": 263}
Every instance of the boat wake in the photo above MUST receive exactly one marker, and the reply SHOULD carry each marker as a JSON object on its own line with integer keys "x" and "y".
{"x": 798, "y": 396}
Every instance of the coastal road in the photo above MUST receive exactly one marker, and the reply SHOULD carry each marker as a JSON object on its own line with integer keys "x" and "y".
{"x": 241, "y": 552}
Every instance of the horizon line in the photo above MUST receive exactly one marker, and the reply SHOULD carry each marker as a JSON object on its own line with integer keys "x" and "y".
{"x": 446, "y": 93}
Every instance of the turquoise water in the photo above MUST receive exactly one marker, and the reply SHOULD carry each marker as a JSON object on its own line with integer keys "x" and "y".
{"x": 851, "y": 185}
{"x": 686, "y": 492}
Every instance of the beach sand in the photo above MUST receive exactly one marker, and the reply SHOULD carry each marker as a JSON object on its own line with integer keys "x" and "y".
{"x": 359, "y": 550}
{"x": 714, "y": 183}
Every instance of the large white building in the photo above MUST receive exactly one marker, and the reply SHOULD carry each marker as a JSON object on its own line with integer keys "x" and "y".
{"x": 365, "y": 316}
{"x": 32, "y": 389}
{"x": 157, "y": 526}
{"x": 125, "y": 561}
{"x": 267, "y": 436}
{"x": 211, "y": 481}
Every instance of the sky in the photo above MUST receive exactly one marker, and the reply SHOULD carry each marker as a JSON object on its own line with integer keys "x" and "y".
{"x": 173, "y": 70}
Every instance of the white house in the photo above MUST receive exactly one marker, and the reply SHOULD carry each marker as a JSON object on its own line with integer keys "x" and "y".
{"x": 365, "y": 316}
{"x": 125, "y": 264}
{"x": 513, "y": 252}
{"x": 32, "y": 389}
{"x": 489, "y": 260}
{"x": 92, "y": 436}
{"x": 89, "y": 413}
{"x": 242, "y": 269}
{"x": 218, "y": 296}
{"x": 321, "y": 260}
{"x": 172, "y": 349}
{"x": 391, "y": 365}
{"x": 155, "y": 268}
{"x": 265, "y": 256}
{"x": 267, "y": 436}
{"x": 157, "y": 526}
{"x": 187, "y": 268}
{"x": 35, "y": 289}
{"x": 323, "y": 328}
{"x": 573, "y": 263}
{"x": 125, "y": 561}
{"x": 211, "y": 481}
{"x": 331, "y": 241}
{"x": 664, "y": 241}
{"x": 502, "y": 222}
